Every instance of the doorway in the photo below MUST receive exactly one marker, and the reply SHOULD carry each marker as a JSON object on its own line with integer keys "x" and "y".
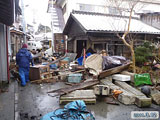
{"x": 80, "y": 45}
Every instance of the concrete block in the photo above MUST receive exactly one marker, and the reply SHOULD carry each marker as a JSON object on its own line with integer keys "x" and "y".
{"x": 126, "y": 97}
{"x": 156, "y": 98}
{"x": 129, "y": 88}
{"x": 142, "y": 101}
{"x": 102, "y": 90}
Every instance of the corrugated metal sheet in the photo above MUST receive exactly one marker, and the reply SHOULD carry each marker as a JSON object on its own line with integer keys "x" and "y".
{"x": 110, "y": 23}
{"x": 3, "y": 54}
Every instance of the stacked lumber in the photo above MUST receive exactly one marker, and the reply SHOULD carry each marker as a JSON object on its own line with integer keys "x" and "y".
{"x": 70, "y": 89}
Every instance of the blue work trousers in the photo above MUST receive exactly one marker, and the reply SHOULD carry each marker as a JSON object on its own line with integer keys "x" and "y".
{"x": 24, "y": 74}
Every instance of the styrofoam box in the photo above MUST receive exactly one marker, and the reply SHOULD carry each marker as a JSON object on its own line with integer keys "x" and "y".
{"x": 74, "y": 78}
{"x": 121, "y": 77}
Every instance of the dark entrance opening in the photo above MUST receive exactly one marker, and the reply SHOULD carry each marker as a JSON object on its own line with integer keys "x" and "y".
{"x": 80, "y": 45}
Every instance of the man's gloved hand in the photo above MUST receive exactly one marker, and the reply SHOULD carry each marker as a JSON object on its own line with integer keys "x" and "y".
{"x": 32, "y": 64}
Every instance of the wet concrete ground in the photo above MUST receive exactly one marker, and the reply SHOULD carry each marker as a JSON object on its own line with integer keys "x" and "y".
{"x": 7, "y": 103}
{"x": 35, "y": 102}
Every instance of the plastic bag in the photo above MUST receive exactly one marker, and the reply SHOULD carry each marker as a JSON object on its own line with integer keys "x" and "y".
{"x": 141, "y": 79}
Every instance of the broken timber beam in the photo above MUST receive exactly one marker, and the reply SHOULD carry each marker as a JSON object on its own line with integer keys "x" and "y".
{"x": 79, "y": 86}
{"x": 114, "y": 70}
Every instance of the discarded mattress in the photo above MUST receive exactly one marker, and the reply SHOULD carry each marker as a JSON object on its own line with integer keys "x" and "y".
{"x": 72, "y": 111}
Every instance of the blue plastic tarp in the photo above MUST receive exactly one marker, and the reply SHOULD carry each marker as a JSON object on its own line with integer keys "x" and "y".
{"x": 75, "y": 110}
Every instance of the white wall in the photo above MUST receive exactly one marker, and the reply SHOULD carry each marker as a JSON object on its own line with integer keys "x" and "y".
{"x": 102, "y": 6}
{"x": 74, "y": 5}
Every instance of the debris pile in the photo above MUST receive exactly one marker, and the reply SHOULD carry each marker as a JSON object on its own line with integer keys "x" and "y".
{"x": 95, "y": 76}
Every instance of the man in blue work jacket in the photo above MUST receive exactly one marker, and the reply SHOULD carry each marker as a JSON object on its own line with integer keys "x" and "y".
{"x": 23, "y": 59}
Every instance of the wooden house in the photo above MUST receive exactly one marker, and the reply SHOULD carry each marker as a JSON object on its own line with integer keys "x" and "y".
{"x": 99, "y": 31}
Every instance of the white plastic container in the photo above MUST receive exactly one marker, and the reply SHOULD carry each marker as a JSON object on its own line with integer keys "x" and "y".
{"x": 121, "y": 77}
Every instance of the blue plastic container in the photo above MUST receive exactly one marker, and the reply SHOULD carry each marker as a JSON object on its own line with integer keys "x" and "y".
{"x": 66, "y": 59}
{"x": 74, "y": 78}
{"x": 53, "y": 66}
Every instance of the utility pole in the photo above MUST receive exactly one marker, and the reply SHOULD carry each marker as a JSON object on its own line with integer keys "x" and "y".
{"x": 23, "y": 21}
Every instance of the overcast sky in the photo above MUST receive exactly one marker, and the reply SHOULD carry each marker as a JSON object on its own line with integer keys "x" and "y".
{"x": 37, "y": 9}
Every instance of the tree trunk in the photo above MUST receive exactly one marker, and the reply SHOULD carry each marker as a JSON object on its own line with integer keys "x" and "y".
{"x": 133, "y": 58}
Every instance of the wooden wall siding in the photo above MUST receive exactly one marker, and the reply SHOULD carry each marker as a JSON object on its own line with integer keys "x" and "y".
{"x": 75, "y": 30}
{"x": 16, "y": 43}
{"x": 59, "y": 42}
{"x": 70, "y": 46}
{"x": 110, "y": 41}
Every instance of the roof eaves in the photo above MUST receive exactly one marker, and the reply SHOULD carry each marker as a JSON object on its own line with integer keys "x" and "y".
{"x": 101, "y": 14}
{"x": 69, "y": 21}
{"x": 109, "y": 31}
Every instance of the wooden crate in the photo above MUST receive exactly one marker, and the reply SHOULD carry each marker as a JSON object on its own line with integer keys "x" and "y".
{"x": 39, "y": 72}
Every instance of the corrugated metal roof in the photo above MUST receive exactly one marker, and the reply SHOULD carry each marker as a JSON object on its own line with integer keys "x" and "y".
{"x": 112, "y": 23}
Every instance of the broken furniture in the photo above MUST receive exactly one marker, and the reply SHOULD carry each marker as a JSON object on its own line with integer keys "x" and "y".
{"x": 87, "y": 96}
{"x": 39, "y": 72}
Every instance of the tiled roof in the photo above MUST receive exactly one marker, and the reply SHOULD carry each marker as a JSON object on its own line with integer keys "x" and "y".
{"x": 94, "y": 22}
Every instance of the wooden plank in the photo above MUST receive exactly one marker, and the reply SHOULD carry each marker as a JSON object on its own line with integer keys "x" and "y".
{"x": 45, "y": 80}
{"x": 107, "y": 81}
{"x": 114, "y": 70}
{"x": 156, "y": 98}
{"x": 79, "y": 86}
{"x": 79, "y": 94}
{"x": 87, "y": 101}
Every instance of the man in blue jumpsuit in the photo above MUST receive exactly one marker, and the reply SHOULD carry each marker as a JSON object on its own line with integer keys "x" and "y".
{"x": 23, "y": 59}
